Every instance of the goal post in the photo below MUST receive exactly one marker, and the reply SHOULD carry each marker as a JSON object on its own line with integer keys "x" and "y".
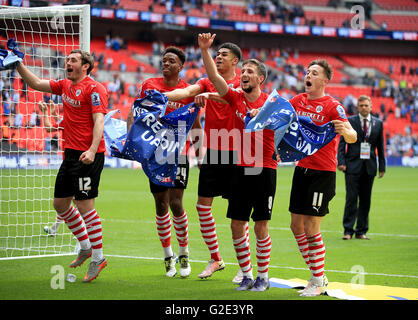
{"x": 30, "y": 155}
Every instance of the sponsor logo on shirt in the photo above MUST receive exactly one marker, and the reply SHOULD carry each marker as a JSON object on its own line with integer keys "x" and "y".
{"x": 174, "y": 105}
{"x": 70, "y": 101}
{"x": 313, "y": 116}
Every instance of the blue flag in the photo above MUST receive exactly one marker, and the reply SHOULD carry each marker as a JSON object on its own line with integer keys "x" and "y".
{"x": 9, "y": 59}
{"x": 114, "y": 132}
{"x": 155, "y": 141}
{"x": 295, "y": 137}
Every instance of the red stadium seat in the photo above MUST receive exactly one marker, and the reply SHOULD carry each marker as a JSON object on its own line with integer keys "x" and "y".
{"x": 397, "y": 22}
{"x": 319, "y": 3}
{"x": 403, "y": 5}
{"x": 382, "y": 64}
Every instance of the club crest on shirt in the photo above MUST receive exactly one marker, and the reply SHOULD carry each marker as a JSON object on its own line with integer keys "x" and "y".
{"x": 341, "y": 111}
{"x": 78, "y": 92}
{"x": 319, "y": 109}
{"x": 95, "y": 99}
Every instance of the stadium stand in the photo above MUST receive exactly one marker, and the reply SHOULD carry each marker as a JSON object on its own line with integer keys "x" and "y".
{"x": 319, "y": 3}
{"x": 397, "y": 68}
{"x": 400, "y": 5}
{"x": 33, "y": 138}
{"x": 310, "y": 12}
{"x": 329, "y": 19}
{"x": 397, "y": 22}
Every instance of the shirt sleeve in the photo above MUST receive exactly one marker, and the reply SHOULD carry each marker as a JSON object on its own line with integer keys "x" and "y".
{"x": 338, "y": 112}
{"x": 232, "y": 96}
{"x": 56, "y": 86}
{"x": 293, "y": 101}
{"x": 202, "y": 84}
{"x": 144, "y": 86}
{"x": 99, "y": 99}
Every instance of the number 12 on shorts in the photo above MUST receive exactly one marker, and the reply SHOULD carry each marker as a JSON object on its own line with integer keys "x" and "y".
{"x": 84, "y": 184}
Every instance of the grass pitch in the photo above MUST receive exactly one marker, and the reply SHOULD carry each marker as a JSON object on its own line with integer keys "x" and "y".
{"x": 135, "y": 268}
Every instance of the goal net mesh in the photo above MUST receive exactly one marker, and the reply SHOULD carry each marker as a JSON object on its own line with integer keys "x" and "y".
{"x": 30, "y": 155}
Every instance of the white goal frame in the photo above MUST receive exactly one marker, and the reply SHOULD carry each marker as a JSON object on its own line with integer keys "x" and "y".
{"x": 27, "y": 177}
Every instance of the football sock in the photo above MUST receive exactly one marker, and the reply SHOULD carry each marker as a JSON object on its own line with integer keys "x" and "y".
{"x": 263, "y": 257}
{"x": 242, "y": 250}
{"x": 76, "y": 225}
{"x": 164, "y": 233}
{"x": 303, "y": 246}
{"x": 316, "y": 255}
{"x": 94, "y": 230}
{"x": 247, "y": 234}
{"x": 181, "y": 226}
{"x": 208, "y": 230}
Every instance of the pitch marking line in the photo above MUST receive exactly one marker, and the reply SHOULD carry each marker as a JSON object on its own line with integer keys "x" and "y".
{"x": 277, "y": 267}
{"x": 229, "y": 263}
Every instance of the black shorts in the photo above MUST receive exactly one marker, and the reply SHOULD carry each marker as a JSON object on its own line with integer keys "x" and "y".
{"x": 182, "y": 177}
{"x": 252, "y": 195}
{"x": 312, "y": 190}
{"x": 216, "y": 172}
{"x": 77, "y": 179}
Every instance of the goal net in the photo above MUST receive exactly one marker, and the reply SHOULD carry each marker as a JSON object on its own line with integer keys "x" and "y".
{"x": 30, "y": 155}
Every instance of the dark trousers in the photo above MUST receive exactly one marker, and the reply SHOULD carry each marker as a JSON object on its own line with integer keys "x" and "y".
{"x": 357, "y": 202}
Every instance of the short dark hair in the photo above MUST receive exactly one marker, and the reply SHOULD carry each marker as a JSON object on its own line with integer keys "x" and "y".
{"x": 325, "y": 65}
{"x": 233, "y": 47}
{"x": 177, "y": 51}
{"x": 262, "y": 69}
{"x": 364, "y": 97}
{"x": 86, "y": 58}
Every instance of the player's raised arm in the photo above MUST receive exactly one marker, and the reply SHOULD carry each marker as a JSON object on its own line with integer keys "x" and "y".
{"x": 129, "y": 120}
{"x": 200, "y": 99}
{"x": 205, "y": 41}
{"x": 32, "y": 79}
{"x": 183, "y": 93}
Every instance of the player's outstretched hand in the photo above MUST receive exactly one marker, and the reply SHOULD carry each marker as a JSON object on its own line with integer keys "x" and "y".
{"x": 10, "y": 58}
{"x": 205, "y": 40}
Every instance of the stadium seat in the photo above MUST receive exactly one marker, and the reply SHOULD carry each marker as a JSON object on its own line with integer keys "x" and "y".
{"x": 318, "y": 3}
{"x": 330, "y": 18}
{"x": 382, "y": 63}
{"x": 403, "y": 5}
{"x": 397, "y": 22}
